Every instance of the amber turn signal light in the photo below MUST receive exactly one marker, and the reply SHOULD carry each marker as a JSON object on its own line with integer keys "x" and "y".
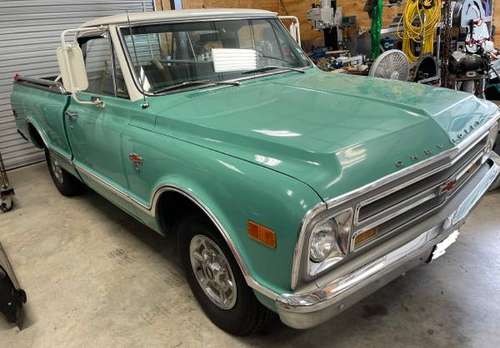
{"x": 365, "y": 236}
{"x": 261, "y": 234}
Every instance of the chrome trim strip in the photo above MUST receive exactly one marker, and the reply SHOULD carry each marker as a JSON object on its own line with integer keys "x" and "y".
{"x": 206, "y": 18}
{"x": 393, "y": 190}
{"x": 379, "y": 218}
{"x": 391, "y": 216}
{"x": 374, "y": 218}
{"x": 416, "y": 179}
{"x": 113, "y": 189}
{"x": 62, "y": 157}
{"x": 469, "y": 165}
{"x": 47, "y": 85}
{"x": 299, "y": 246}
{"x": 331, "y": 203}
{"x": 151, "y": 210}
{"x": 319, "y": 298}
{"x": 470, "y": 202}
{"x": 450, "y": 153}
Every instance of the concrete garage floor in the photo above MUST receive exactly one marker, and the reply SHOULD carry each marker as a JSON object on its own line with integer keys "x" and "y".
{"x": 96, "y": 278}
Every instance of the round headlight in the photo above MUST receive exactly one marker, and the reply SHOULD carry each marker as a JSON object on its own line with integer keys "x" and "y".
{"x": 323, "y": 240}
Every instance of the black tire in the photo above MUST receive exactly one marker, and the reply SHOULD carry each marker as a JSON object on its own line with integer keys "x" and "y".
{"x": 66, "y": 183}
{"x": 248, "y": 315}
{"x": 6, "y": 205}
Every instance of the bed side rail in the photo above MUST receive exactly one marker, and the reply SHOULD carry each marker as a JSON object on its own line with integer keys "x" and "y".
{"x": 53, "y": 86}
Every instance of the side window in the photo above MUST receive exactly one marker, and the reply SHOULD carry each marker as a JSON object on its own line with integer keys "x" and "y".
{"x": 121, "y": 87}
{"x": 100, "y": 62}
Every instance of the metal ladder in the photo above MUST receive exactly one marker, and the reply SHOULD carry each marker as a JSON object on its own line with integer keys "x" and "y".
{"x": 6, "y": 191}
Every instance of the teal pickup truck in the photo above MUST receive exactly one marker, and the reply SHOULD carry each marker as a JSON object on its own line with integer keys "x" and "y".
{"x": 290, "y": 190}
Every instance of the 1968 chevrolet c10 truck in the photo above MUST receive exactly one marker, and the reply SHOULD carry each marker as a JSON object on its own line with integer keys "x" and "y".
{"x": 291, "y": 190}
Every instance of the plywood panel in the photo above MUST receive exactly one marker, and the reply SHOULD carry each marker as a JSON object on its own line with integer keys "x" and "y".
{"x": 296, "y": 8}
{"x": 162, "y": 5}
{"x": 299, "y": 8}
{"x": 292, "y": 7}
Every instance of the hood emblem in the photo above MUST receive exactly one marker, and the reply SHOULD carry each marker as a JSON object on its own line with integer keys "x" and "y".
{"x": 448, "y": 186}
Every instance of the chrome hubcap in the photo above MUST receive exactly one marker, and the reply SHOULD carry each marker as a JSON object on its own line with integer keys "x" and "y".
{"x": 57, "y": 170}
{"x": 212, "y": 271}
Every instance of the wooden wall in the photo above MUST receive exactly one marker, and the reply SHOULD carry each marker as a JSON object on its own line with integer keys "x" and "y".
{"x": 162, "y": 5}
{"x": 292, "y": 7}
{"x": 295, "y": 8}
{"x": 299, "y": 8}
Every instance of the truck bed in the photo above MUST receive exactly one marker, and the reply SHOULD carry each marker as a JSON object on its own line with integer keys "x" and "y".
{"x": 39, "y": 104}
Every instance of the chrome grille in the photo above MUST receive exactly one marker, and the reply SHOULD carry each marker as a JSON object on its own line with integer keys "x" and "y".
{"x": 415, "y": 196}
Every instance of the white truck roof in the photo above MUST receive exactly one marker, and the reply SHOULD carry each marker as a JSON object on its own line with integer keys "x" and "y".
{"x": 165, "y": 16}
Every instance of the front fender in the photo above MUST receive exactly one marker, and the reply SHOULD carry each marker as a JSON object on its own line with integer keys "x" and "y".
{"x": 242, "y": 192}
{"x": 231, "y": 191}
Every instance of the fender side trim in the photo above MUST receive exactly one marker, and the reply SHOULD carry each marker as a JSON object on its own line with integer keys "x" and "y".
{"x": 151, "y": 210}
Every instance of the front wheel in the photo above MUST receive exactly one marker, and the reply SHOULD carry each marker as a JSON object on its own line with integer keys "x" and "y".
{"x": 66, "y": 183}
{"x": 216, "y": 280}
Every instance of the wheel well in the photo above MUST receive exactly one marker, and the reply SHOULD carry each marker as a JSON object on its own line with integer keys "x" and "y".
{"x": 35, "y": 137}
{"x": 173, "y": 206}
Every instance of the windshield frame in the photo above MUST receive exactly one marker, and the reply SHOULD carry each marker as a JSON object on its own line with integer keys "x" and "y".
{"x": 135, "y": 78}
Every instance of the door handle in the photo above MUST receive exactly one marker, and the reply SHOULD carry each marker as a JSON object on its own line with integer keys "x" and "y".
{"x": 72, "y": 115}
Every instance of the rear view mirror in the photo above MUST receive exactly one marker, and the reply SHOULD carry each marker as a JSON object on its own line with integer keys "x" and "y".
{"x": 72, "y": 68}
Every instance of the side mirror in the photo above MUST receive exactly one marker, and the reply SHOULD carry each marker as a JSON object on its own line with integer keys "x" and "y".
{"x": 72, "y": 68}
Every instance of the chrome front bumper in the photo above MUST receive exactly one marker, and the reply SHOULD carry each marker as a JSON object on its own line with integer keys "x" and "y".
{"x": 328, "y": 297}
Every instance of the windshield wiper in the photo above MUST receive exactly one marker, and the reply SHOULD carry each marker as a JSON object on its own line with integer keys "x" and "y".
{"x": 273, "y": 67}
{"x": 187, "y": 84}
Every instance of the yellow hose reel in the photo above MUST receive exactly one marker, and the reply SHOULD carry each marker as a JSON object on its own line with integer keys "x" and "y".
{"x": 420, "y": 21}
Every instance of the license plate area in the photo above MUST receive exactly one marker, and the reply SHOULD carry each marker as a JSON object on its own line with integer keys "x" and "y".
{"x": 440, "y": 248}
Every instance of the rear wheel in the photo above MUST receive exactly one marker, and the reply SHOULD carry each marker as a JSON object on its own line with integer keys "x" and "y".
{"x": 66, "y": 183}
{"x": 216, "y": 280}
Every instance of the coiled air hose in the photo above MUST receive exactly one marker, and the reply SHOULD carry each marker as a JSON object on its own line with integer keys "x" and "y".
{"x": 420, "y": 20}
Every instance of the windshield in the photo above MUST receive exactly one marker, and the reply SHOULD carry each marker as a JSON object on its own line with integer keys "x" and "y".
{"x": 168, "y": 55}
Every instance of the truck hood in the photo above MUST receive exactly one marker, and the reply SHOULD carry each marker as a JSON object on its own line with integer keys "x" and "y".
{"x": 334, "y": 132}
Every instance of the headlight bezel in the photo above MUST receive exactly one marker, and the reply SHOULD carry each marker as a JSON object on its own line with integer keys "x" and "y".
{"x": 343, "y": 221}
